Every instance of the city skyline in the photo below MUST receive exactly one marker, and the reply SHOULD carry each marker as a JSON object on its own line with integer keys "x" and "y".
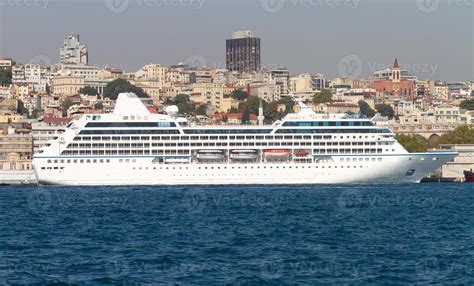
{"x": 438, "y": 47}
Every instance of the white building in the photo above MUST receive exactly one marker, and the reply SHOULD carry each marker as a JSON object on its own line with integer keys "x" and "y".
{"x": 303, "y": 83}
{"x": 265, "y": 91}
{"x": 73, "y": 52}
{"x": 30, "y": 74}
{"x": 281, "y": 77}
{"x": 447, "y": 114}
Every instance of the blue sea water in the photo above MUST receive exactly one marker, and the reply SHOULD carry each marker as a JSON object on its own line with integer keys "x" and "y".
{"x": 241, "y": 235}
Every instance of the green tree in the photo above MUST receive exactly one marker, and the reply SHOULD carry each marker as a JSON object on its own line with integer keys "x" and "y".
{"x": 120, "y": 85}
{"x": 245, "y": 117}
{"x": 251, "y": 105}
{"x": 5, "y": 76}
{"x": 413, "y": 143}
{"x": 365, "y": 109}
{"x": 66, "y": 104}
{"x": 385, "y": 110}
{"x": 88, "y": 91}
{"x": 239, "y": 94}
{"x": 202, "y": 110}
{"x": 467, "y": 104}
{"x": 322, "y": 97}
{"x": 461, "y": 135}
{"x": 185, "y": 105}
{"x": 98, "y": 106}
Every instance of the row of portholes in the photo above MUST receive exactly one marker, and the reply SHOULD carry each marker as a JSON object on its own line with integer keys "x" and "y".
{"x": 249, "y": 167}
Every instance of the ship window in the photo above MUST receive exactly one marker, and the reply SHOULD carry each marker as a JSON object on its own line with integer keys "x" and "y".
{"x": 410, "y": 173}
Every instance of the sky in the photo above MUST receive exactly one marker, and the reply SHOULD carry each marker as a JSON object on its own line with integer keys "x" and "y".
{"x": 434, "y": 39}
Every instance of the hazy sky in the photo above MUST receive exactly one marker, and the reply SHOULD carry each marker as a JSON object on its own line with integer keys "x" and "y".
{"x": 432, "y": 38}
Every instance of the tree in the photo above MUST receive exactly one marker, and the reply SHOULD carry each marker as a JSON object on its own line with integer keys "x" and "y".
{"x": 202, "y": 110}
{"x": 98, "y": 106}
{"x": 467, "y": 104}
{"x": 185, "y": 105}
{"x": 88, "y": 91}
{"x": 385, "y": 110}
{"x": 239, "y": 94}
{"x": 251, "y": 105}
{"x": 322, "y": 97}
{"x": 413, "y": 143}
{"x": 365, "y": 109}
{"x": 461, "y": 135}
{"x": 245, "y": 117}
{"x": 5, "y": 76}
{"x": 66, "y": 104}
{"x": 120, "y": 85}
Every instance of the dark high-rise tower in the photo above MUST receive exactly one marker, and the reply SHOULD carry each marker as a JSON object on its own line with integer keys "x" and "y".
{"x": 243, "y": 52}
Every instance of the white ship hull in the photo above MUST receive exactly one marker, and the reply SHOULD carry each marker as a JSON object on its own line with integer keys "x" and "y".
{"x": 405, "y": 168}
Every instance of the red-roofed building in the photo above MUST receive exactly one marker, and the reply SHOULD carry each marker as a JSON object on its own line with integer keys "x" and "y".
{"x": 396, "y": 85}
{"x": 56, "y": 120}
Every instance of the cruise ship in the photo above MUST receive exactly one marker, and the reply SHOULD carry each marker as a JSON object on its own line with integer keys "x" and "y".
{"x": 132, "y": 146}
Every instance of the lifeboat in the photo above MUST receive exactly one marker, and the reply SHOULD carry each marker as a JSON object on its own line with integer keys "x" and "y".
{"x": 302, "y": 153}
{"x": 176, "y": 161}
{"x": 277, "y": 154}
{"x": 210, "y": 155}
{"x": 243, "y": 154}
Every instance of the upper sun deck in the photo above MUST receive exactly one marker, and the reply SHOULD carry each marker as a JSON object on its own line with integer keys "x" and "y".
{"x": 129, "y": 108}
